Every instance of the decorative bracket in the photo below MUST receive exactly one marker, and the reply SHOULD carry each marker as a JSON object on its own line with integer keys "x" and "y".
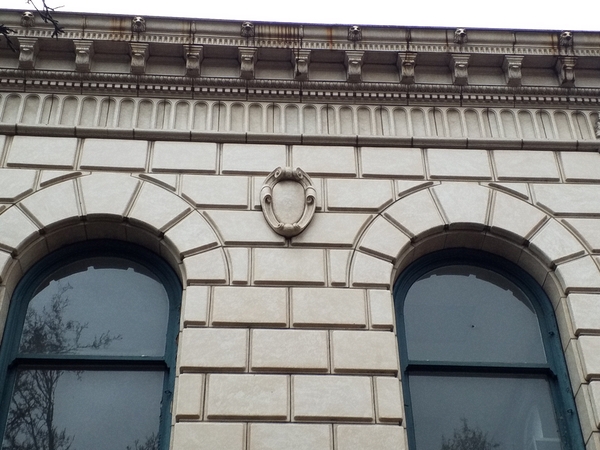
{"x": 247, "y": 58}
{"x": 84, "y": 52}
{"x": 28, "y": 52}
{"x": 512, "y": 69}
{"x": 301, "y": 60}
{"x": 354, "y": 62}
{"x": 194, "y": 54}
{"x": 406, "y": 67}
{"x": 139, "y": 55}
{"x": 459, "y": 66}
{"x": 309, "y": 199}
{"x": 565, "y": 69}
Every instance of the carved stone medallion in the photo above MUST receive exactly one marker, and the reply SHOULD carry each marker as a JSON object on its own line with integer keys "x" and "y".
{"x": 288, "y": 200}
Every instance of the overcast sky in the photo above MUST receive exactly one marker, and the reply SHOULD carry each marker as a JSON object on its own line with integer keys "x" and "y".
{"x": 512, "y": 14}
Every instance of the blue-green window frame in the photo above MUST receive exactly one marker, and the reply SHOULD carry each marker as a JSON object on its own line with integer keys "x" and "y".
{"x": 555, "y": 370}
{"x": 10, "y": 360}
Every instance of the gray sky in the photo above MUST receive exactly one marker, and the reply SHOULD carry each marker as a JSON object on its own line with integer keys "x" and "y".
{"x": 512, "y": 14}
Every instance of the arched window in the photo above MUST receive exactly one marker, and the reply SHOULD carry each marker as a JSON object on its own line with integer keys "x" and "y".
{"x": 88, "y": 355}
{"x": 482, "y": 365}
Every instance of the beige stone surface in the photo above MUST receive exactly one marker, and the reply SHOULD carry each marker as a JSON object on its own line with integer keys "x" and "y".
{"x": 583, "y": 402}
{"x": 289, "y": 351}
{"x": 338, "y": 266}
{"x": 239, "y": 262}
{"x": 463, "y": 204}
{"x": 359, "y": 195}
{"x": 457, "y": 163}
{"x": 243, "y": 227}
{"x": 396, "y": 162}
{"x": 48, "y": 177}
{"x": 589, "y": 347}
{"x": 16, "y": 183}
{"x": 207, "y": 267}
{"x": 166, "y": 180}
{"x": 388, "y": 399}
{"x": 520, "y": 190}
{"x": 191, "y": 235}
{"x": 157, "y": 207}
{"x": 247, "y": 396}
{"x": 200, "y": 157}
{"x": 384, "y": 240}
{"x": 296, "y": 436}
{"x": 554, "y": 243}
{"x": 209, "y": 436}
{"x": 118, "y": 154}
{"x": 249, "y": 306}
{"x": 194, "y": 310}
{"x": 333, "y": 230}
{"x": 369, "y": 271}
{"x": 381, "y": 309}
{"x": 252, "y": 158}
{"x": 594, "y": 391}
{"x": 289, "y": 266}
{"x": 333, "y": 307}
{"x": 189, "y": 391}
{"x": 259, "y": 181}
{"x": 580, "y": 273}
{"x": 40, "y": 151}
{"x": 107, "y": 195}
{"x": 15, "y": 228}
{"x": 563, "y": 199}
{"x": 513, "y": 217}
{"x": 588, "y": 229}
{"x": 43, "y": 207}
{"x": 360, "y": 437}
{"x": 581, "y": 166}
{"x": 209, "y": 349}
{"x": 211, "y": 191}
{"x": 364, "y": 351}
{"x": 416, "y": 213}
{"x": 526, "y": 165}
{"x": 330, "y": 160}
{"x": 332, "y": 397}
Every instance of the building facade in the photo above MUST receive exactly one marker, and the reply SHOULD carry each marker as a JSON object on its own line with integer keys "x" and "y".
{"x": 287, "y": 176}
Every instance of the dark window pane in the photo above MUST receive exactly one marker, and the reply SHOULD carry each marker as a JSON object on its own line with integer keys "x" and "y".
{"x": 468, "y": 314}
{"x": 84, "y": 410}
{"x": 483, "y": 413}
{"x": 98, "y": 306}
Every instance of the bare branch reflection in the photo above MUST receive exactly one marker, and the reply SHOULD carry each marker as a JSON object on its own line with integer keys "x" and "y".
{"x": 468, "y": 438}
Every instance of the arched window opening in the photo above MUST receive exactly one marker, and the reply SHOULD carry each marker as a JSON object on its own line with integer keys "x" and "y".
{"x": 482, "y": 365}
{"x": 88, "y": 355}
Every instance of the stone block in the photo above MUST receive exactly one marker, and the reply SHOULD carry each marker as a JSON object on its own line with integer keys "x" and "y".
{"x": 330, "y": 160}
{"x": 358, "y": 195}
{"x": 384, "y": 240}
{"x": 459, "y": 164}
{"x": 296, "y": 436}
{"x": 118, "y": 154}
{"x": 526, "y": 165}
{"x": 15, "y": 229}
{"x": 338, "y": 267}
{"x": 563, "y": 199}
{"x": 332, "y": 230}
{"x": 243, "y": 306}
{"x": 381, "y": 309}
{"x": 247, "y": 396}
{"x": 38, "y": 151}
{"x": 364, "y": 351}
{"x": 289, "y": 266}
{"x": 16, "y": 183}
{"x": 589, "y": 348}
{"x": 209, "y": 436}
{"x": 55, "y": 205}
{"x": 207, "y": 267}
{"x": 588, "y": 231}
{"x": 332, "y": 397}
{"x": 157, "y": 207}
{"x": 194, "y": 310}
{"x": 289, "y": 351}
{"x": 210, "y": 349}
{"x": 252, "y": 158}
{"x": 239, "y": 259}
{"x": 243, "y": 228}
{"x": 594, "y": 391}
{"x": 332, "y": 307}
{"x": 407, "y": 187}
{"x": 513, "y": 217}
{"x": 191, "y": 235}
{"x": 369, "y": 271}
{"x": 360, "y": 437}
{"x": 210, "y": 191}
{"x": 189, "y": 390}
{"x": 463, "y": 204}
{"x": 519, "y": 190}
{"x": 166, "y": 180}
{"x": 584, "y": 310}
{"x": 392, "y": 162}
{"x": 416, "y": 213}
{"x": 199, "y": 157}
{"x": 581, "y": 166}
{"x": 108, "y": 195}
{"x": 583, "y": 403}
{"x": 579, "y": 274}
{"x": 554, "y": 243}
{"x": 388, "y": 396}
